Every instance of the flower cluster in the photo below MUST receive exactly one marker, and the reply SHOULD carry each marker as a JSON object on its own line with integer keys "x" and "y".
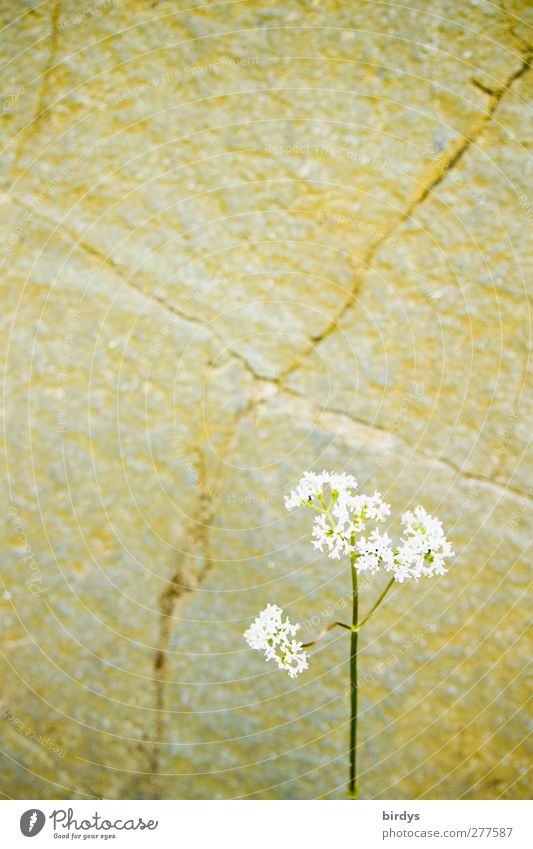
{"x": 374, "y": 552}
{"x": 423, "y": 549}
{"x": 343, "y": 515}
{"x": 270, "y": 634}
{"x": 312, "y": 486}
{"x": 342, "y": 512}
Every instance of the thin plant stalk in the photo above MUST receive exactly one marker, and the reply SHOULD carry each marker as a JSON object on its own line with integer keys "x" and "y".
{"x": 378, "y": 602}
{"x": 326, "y": 631}
{"x": 352, "y": 786}
{"x": 354, "y": 628}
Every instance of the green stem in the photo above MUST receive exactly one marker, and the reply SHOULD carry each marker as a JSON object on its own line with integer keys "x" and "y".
{"x": 326, "y": 631}
{"x": 353, "y": 681}
{"x": 378, "y": 602}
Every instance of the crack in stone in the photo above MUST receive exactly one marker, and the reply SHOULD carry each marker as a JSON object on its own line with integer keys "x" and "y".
{"x": 449, "y": 160}
{"x": 42, "y": 108}
{"x": 512, "y": 27}
{"x": 260, "y": 400}
{"x": 61, "y": 228}
{"x": 421, "y": 453}
{"x": 458, "y": 149}
{"x": 196, "y": 540}
{"x": 482, "y": 87}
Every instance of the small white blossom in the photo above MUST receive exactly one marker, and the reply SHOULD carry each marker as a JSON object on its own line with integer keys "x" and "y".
{"x": 374, "y": 552}
{"x": 311, "y": 486}
{"x": 270, "y": 634}
{"x": 376, "y": 508}
{"x": 332, "y": 536}
{"x": 292, "y": 658}
{"x": 424, "y": 548}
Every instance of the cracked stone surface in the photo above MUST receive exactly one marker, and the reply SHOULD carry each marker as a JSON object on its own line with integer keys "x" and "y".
{"x": 241, "y": 241}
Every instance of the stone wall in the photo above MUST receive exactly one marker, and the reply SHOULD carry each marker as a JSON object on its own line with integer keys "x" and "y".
{"x": 240, "y": 241}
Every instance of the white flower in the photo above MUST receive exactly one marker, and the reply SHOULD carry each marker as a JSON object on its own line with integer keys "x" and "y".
{"x": 362, "y": 508}
{"x": 374, "y": 552}
{"x": 376, "y": 508}
{"x": 311, "y": 486}
{"x": 265, "y": 628}
{"x": 424, "y": 548}
{"x": 334, "y": 537}
{"x": 270, "y": 634}
{"x": 292, "y": 658}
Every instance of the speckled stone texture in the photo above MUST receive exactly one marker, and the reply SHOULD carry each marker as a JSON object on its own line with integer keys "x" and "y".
{"x": 240, "y": 241}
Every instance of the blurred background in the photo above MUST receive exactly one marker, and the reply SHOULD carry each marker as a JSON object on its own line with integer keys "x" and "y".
{"x": 240, "y": 240}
